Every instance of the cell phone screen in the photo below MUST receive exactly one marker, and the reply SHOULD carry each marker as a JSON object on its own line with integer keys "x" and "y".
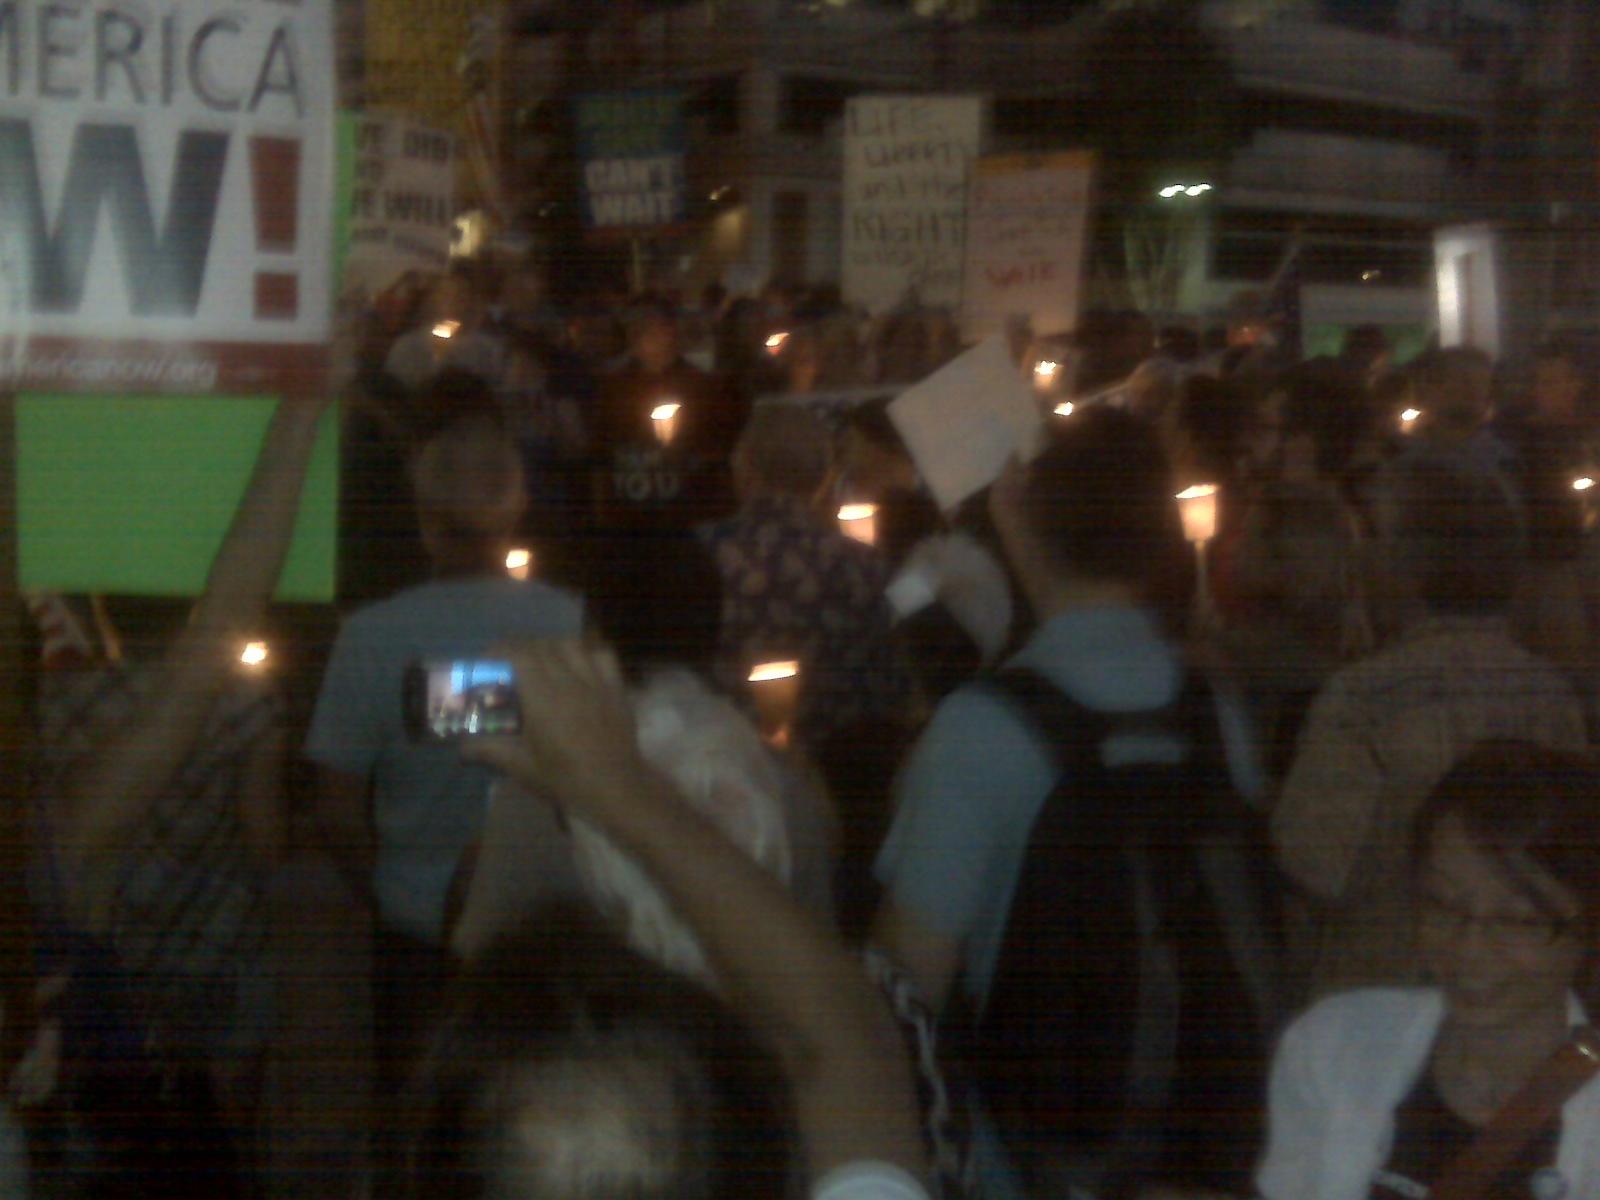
{"x": 462, "y": 698}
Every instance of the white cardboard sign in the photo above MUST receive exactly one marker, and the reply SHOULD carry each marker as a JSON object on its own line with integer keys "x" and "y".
{"x": 906, "y": 165}
{"x": 166, "y": 174}
{"x": 403, "y": 203}
{"x": 964, "y": 422}
{"x": 1026, "y": 221}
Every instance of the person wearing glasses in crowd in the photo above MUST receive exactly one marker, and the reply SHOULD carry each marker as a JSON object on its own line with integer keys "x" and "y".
{"x": 1487, "y": 1076}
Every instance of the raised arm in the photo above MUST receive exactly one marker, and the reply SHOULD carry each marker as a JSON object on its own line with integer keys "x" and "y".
{"x": 107, "y": 796}
{"x": 779, "y": 967}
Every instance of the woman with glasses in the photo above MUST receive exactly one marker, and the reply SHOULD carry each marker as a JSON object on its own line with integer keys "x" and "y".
{"x": 1380, "y": 1092}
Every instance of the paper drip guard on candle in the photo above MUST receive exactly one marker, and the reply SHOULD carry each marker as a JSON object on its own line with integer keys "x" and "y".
{"x": 859, "y": 521}
{"x": 775, "y": 688}
{"x": 664, "y": 419}
{"x": 1198, "y": 507}
{"x": 519, "y": 563}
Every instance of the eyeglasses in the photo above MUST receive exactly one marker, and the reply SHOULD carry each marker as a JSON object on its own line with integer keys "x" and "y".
{"x": 1504, "y": 932}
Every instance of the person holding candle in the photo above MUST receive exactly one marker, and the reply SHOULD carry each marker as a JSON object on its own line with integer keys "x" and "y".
{"x": 662, "y": 433}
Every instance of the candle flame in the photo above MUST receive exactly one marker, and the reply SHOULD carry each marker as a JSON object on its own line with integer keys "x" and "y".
{"x": 1197, "y": 491}
{"x": 1065, "y": 409}
{"x": 446, "y": 329}
{"x": 664, "y": 412}
{"x": 857, "y": 512}
{"x": 254, "y": 654}
{"x": 762, "y": 672}
{"x": 1582, "y": 484}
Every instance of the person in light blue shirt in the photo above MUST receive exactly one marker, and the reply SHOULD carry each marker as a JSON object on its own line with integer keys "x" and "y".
{"x": 426, "y": 805}
{"x": 1092, "y": 533}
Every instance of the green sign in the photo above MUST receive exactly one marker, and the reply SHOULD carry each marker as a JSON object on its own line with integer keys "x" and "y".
{"x": 131, "y": 495}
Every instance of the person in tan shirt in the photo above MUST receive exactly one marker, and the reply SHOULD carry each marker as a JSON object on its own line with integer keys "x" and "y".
{"x": 1385, "y": 730}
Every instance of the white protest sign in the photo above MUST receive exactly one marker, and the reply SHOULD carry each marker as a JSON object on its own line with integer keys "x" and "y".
{"x": 169, "y": 166}
{"x": 964, "y": 422}
{"x": 906, "y": 165}
{"x": 403, "y": 202}
{"x": 1026, "y": 219}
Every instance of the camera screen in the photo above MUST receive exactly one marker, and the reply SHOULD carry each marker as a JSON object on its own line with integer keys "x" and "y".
{"x": 471, "y": 698}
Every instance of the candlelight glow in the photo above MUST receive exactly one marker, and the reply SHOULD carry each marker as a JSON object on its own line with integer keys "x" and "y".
{"x": 254, "y": 654}
{"x": 1582, "y": 484}
{"x": 519, "y": 563}
{"x": 1065, "y": 409}
{"x": 1045, "y": 371}
{"x": 860, "y": 521}
{"x": 775, "y": 343}
{"x": 446, "y": 329}
{"x": 765, "y": 672}
{"x": 665, "y": 418}
{"x": 1410, "y": 415}
{"x": 664, "y": 412}
{"x": 1198, "y": 508}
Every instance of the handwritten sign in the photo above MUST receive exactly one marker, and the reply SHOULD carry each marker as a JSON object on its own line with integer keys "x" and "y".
{"x": 166, "y": 182}
{"x": 402, "y": 203}
{"x": 964, "y": 422}
{"x": 1026, "y": 218}
{"x": 906, "y": 165}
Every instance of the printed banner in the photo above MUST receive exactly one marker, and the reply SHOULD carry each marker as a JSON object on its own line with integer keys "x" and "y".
{"x": 402, "y": 204}
{"x": 631, "y": 146}
{"x": 907, "y": 160}
{"x": 166, "y": 175}
{"x": 1026, "y": 220}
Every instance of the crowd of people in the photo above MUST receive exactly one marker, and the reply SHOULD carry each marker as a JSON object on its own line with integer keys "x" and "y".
{"x": 1046, "y": 847}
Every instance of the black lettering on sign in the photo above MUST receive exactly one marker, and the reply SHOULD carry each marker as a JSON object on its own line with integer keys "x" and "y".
{"x": 164, "y": 274}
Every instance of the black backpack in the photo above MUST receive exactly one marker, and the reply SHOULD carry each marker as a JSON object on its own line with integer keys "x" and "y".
{"x": 1129, "y": 1024}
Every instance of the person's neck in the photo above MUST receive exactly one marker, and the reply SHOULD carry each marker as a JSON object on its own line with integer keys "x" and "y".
{"x": 461, "y": 564}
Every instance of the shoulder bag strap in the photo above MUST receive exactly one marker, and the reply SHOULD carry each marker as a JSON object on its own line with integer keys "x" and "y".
{"x": 1522, "y": 1118}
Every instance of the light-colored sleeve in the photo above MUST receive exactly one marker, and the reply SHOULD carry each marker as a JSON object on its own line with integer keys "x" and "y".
{"x": 1298, "y": 1116}
{"x": 1325, "y": 811}
{"x": 868, "y": 1181}
{"x": 347, "y": 725}
{"x": 965, "y": 803}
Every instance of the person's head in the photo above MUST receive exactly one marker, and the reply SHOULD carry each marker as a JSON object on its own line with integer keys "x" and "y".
{"x": 1324, "y": 418}
{"x": 1094, "y": 507}
{"x": 784, "y": 451}
{"x": 653, "y": 338}
{"x": 570, "y": 1068}
{"x": 1559, "y": 385}
{"x": 1453, "y": 388}
{"x": 1366, "y": 353}
{"x": 458, "y": 296}
{"x": 1450, "y": 535}
{"x": 1507, "y": 868}
{"x": 657, "y": 599}
{"x": 467, "y": 484}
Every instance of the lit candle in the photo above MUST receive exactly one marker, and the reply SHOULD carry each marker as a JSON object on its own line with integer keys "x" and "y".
{"x": 1582, "y": 483}
{"x": 859, "y": 521}
{"x": 254, "y": 654}
{"x": 775, "y": 343}
{"x": 1408, "y": 419}
{"x": 446, "y": 329}
{"x": 1198, "y": 507}
{"x": 665, "y": 418}
{"x": 775, "y": 687}
{"x": 519, "y": 563}
{"x": 1064, "y": 409}
{"x": 1045, "y": 372}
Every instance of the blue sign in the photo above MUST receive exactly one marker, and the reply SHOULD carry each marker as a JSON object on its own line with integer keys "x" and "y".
{"x": 631, "y": 146}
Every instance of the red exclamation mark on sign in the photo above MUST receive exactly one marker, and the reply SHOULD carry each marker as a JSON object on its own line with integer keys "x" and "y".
{"x": 275, "y": 174}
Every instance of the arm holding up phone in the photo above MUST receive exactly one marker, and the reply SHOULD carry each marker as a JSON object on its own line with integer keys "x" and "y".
{"x": 785, "y": 972}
